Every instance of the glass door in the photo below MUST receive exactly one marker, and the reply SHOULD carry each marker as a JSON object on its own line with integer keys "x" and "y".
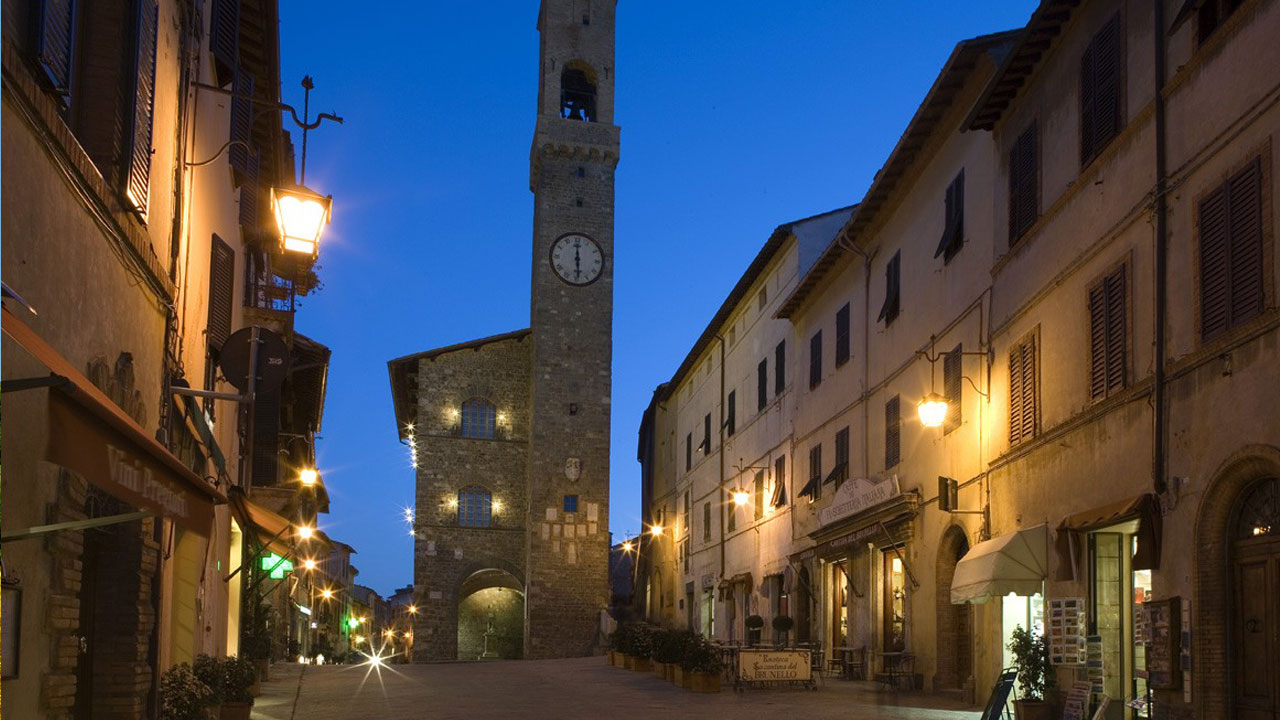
{"x": 895, "y": 603}
{"x": 839, "y": 604}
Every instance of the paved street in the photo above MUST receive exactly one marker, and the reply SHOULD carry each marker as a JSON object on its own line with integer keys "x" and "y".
{"x": 577, "y": 688}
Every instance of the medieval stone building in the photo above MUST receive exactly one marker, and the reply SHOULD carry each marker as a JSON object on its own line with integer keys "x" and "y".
{"x": 510, "y": 434}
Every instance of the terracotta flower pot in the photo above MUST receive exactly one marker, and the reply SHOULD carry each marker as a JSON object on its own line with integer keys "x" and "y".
{"x": 235, "y": 711}
{"x": 705, "y": 682}
{"x": 1032, "y": 710}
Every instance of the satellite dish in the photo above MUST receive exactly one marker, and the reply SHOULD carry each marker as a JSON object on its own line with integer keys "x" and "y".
{"x": 273, "y": 360}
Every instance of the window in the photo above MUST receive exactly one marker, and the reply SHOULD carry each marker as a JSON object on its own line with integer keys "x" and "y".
{"x": 1024, "y": 167}
{"x": 688, "y": 452}
{"x": 222, "y": 278}
{"x": 892, "y": 288}
{"x": 224, "y": 36}
{"x": 762, "y": 299}
{"x": 1024, "y": 415}
{"x": 686, "y": 517}
{"x": 577, "y": 94}
{"x": 952, "y": 374}
{"x": 1211, "y": 15}
{"x": 706, "y": 434}
{"x": 706, "y": 522}
{"x": 779, "y": 482}
{"x": 953, "y": 223}
{"x": 733, "y": 334}
{"x": 841, "y": 469}
{"x": 731, "y": 410}
{"x": 475, "y": 507}
{"x": 478, "y": 419}
{"x": 1108, "y": 318}
{"x": 762, "y": 384}
{"x": 759, "y": 494}
{"x": 892, "y": 432}
{"x": 780, "y": 368}
{"x": 842, "y": 335}
{"x": 100, "y": 60}
{"x": 815, "y": 360}
{"x": 732, "y": 509}
{"x": 1231, "y": 266}
{"x": 815, "y": 472}
{"x": 571, "y": 503}
{"x": 1101, "y": 73}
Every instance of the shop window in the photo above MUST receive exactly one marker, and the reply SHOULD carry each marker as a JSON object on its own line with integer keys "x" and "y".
{"x": 475, "y": 507}
{"x": 478, "y": 419}
{"x": 1231, "y": 272}
{"x": 815, "y": 360}
{"x": 842, "y": 335}
{"x": 1108, "y": 317}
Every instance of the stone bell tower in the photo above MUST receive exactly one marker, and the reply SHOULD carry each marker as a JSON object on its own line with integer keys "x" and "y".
{"x": 572, "y": 161}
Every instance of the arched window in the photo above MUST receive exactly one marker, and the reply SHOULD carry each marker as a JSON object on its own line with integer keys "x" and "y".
{"x": 475, "y": 507}
{"x": 577, "y": 94}
{"x": 478, "y": 419}
{"x": 1260, "y": 511}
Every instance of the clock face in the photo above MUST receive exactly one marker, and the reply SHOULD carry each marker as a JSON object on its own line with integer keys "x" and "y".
{"x": 577, "y": 259}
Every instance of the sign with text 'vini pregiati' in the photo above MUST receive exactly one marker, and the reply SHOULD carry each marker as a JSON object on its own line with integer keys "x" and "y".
{"x": 773, "y": 665}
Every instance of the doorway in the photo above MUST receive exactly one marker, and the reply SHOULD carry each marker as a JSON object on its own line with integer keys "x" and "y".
{"x": 954, "y": 621}
{"x": 839, "y": 603}
{"x": 1255, "y": 560}
{"x": 894, "y": 603}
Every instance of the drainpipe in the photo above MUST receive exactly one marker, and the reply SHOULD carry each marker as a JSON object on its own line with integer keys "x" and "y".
{"x": 1158, "y": 468}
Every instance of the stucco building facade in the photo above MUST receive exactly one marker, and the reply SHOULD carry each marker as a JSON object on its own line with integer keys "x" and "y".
{"x": 510, "y": 434}
{"x": 1073, "y": 244}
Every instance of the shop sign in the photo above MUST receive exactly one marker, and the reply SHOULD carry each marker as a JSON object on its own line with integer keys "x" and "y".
{"x": 773, "y": 665}
{"x": 857, "y": 495}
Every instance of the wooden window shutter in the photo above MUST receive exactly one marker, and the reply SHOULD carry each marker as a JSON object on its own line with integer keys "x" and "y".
{"x": 222, "y": 263}
{"x": 762, "y": 384}
{"x": 1023, "y": 398}
{"x": 224, "y": 37}
{"x": 1023, "y": 167}
{"x": 952, "y": 372}
{"x": 1015, "y": 396}
{"x": 815, "y": 360}
{"x": 688, "y": 451}
{"x": 892, "y": 431}
{"x": 1117, "y": 317}
{"x": 53, "y": 50}
{"x": 780, "y": 368}
{"x": 842, "y": 335}
{"x": 731, "y": 411}
{"x": 138, "y": 178}
{"x": 1100, "y": 81}
{"x": 892, "y": 289}
{"x": 1245, "y": 209}
{"x": 1215, "y": 281}
{"x": 266, "y": 438}
{"x": 953, "y": 232}
{"x": 250, "y": 192}
{"x": 241, "y": 122}
{"x": 1097, "y": 341}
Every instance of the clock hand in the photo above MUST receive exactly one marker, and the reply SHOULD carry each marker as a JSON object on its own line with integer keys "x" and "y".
{"x": 577, "y": 263}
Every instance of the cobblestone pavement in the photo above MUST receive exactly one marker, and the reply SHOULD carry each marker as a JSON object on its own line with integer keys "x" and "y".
{"x": 561, "y": 689}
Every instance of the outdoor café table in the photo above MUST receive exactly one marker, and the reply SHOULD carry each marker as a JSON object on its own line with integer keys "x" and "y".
{"x": 852, "y": 663}
{"x": 729, "y": 655}
{"x": 897, "y": 665}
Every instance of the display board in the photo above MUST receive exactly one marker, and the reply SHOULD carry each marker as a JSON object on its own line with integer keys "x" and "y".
{"x": 1066, "y": 623}
{"x": 1164, "y": 639}
{"x": 774, "y": 666}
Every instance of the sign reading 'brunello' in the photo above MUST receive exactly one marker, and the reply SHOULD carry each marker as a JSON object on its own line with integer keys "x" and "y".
{"x": 857, "y": 495}
{"x": 768, "y": 665}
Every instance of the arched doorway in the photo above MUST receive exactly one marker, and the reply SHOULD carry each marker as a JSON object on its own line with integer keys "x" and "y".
{"x": 491, "y": 616}
{"x": 1233, "y": 585}
{"x": 954, "y": 622}
{"x": 1255, "y": 626}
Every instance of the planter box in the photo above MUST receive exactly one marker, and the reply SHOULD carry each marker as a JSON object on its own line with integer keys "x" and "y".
{"x": 612, "y": 657}
{"x": 669, "y": 672}
{"x": 704, "y": 682}
{"x": 1032, "y": 710}
{"x": 660, "y": 669}
{"x": 681, "y": 678}
{"x": 641, "y": 664}
{"x": 235, "y": 711}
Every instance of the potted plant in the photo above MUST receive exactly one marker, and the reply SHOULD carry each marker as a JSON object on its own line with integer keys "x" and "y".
{"x": 702, "y": 666}
{"x": 1036, "y": 678}
{"x": 753, "y": 623}
{"x": 641, "y": 647}
{"x": 182, "y": 695}
{"x": 669, "y": 648}
{"x": 613, "y": 653}
{"x": 238, "y": 678}
{"x": 782, "y": 625}
{"x": 208, "y": 670}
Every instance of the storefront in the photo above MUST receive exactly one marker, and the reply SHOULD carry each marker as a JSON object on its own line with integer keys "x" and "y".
{"x": 1113, "y": 550}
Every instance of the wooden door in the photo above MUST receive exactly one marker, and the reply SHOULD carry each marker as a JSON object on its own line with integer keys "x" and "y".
{"x": 1256, "y": 628}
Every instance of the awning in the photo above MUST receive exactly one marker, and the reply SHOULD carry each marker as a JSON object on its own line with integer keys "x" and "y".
{"x": 90, "y": 435}
{"x": 810, "y": 488}
{"x": 1013, "y": 563}
{"x": 1144, "y": 508}
{"x": 276, "y": 531}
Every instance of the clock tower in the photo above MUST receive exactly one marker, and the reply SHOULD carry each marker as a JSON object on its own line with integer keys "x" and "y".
{"x": 572, "y": 161}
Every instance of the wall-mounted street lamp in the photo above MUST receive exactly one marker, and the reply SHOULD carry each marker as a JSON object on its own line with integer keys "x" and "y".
{"x": 932, "y": 408}
{"x": 309, "y": 477}
{"x": 740, "y": 497}
{"x": 301, "y": 216}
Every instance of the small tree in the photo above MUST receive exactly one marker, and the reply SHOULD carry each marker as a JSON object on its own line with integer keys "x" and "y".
{"x": 208, "y": 670}
{"x": 1031, "y": 658}
{"x": 753, "y": 623}
{"x": 782, "y": 625}
{"x": 238, "y": 677}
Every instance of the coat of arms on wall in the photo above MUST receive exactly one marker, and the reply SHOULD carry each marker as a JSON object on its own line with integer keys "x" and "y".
{"x": 573, "y": 468}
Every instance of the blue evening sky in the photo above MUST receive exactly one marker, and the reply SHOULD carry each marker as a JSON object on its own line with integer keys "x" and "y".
{"x": 736, "y": 117}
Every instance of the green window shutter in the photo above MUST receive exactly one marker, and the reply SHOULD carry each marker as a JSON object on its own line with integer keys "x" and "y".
{"x": 138, "y": 178}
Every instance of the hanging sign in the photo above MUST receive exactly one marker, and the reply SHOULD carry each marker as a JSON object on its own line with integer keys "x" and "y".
{"x": 857, "y": 495}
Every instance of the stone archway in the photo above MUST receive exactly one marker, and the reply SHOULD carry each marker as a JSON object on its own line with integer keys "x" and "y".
{"x": 1213, "y": 607}
{"x": 491, "y": 616}
{"x": 954, "y": 622}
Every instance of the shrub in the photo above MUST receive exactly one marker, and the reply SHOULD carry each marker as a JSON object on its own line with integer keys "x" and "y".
{"x": 238, "y": 676}
{"x": 754, "y": 622}
{"x": 208, "y": 670}
{"x": 702, "y": 657}
{"x": 634, "y": 638}
{"x": 182, "y": 695}
{"x": 783, "y": 624}
{"x": 670, "y": 646}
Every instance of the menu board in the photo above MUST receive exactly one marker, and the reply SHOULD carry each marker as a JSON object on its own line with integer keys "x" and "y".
{"x": 1066, "y": 631}
{"x": 1164, "y": 636}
